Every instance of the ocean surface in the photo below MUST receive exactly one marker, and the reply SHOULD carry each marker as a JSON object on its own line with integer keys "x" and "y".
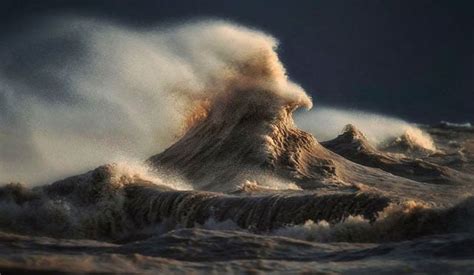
{"x": 185, "y": 149}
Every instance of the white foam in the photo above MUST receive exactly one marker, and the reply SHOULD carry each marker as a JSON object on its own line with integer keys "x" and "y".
{"x": 326, "y": 123}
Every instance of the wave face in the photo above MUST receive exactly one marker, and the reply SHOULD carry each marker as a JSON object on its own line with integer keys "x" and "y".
{"x": 230, "y": 183}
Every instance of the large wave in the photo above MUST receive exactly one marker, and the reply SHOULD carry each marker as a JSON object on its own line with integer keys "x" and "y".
{"x": 78, "y": 93}
{"x": 114, "y": 204}
{"x": 215, "y": 95}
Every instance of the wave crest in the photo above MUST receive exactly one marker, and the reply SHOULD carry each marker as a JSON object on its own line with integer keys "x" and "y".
{"x": 118, "y": 92}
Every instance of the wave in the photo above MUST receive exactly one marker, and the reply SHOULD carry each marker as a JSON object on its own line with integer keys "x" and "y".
{"x": 412, "y": 142}
{"x": 353, "y": 145}
{"x": 447, "y": 124}
{"x": 211, "y": 102}
{"x": 88, "y": 205}
{"x": 398, "y": 222}
{"x": 77, "y": 92}
{"x": 248, "y": 134}
{"x": 106, "y": 204}
{"x": 326, "y": 123}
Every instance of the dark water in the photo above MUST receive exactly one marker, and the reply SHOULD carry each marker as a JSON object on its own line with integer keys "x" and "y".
{"x": 107, "y": 221}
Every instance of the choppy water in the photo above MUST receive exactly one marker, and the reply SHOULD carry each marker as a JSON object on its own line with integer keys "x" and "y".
{"x": 112, "y": 220}
{"x": 238, "y": 187}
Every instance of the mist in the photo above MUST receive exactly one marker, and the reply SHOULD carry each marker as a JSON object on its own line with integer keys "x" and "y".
{"x": 77, "y": 93}
{"x": 326, "y": 123}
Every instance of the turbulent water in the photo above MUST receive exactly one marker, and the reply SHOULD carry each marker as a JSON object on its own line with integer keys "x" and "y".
{"x": 196, "y": 165}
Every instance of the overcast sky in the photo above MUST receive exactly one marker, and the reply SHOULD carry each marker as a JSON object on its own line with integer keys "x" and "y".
{"x": 411, "y": 59}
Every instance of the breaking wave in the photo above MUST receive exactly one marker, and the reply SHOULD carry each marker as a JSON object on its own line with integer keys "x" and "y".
{"x": 77, "y": 93}
{"x": 111, "y": 204}
{"x": 210, "y": 107}
{"x": 396, "y": 222}
{"x": 447, "y": 124}
{"x": 326, "y": 123}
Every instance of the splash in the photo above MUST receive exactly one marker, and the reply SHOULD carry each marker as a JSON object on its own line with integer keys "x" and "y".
{"x": 413, "y": 140}
{"x": 396, "y": 222}
{"x": 129, "y": 171}
{"x": 326, "y": 123}
{"x": 269, "y": 185}
{"x": 77, "y": 93}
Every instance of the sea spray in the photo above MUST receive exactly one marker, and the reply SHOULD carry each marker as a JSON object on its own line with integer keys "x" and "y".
{"x": 79, "y": 92}
{"x": 326, "y": 123}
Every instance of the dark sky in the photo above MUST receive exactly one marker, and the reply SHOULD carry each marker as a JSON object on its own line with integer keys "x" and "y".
{"x": 411, "y": 59}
